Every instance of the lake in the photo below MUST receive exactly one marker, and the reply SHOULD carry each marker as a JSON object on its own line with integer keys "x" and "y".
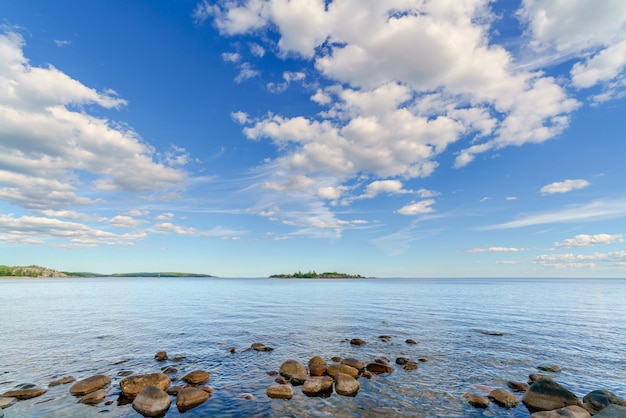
{"x": 58, "y": 327}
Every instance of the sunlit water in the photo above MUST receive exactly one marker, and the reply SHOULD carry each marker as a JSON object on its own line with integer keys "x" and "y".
{"x": 58, "y": 327}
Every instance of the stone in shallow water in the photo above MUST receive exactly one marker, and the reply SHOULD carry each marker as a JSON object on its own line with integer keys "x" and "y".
{"x": 357, "y": 341}
{"x": 188, "y": 398}
{"x": 317, "y": 369}
{"x": 132, "y": 385}
{"x": 317, "y": 360}
{"x": 518, "y": 386}
{"x": 597, "y": 400}
{"x": 346, "y": 385}
{"x": 160, "y": 356}
{"x": 476, "y": 401}
{"x": 410, "y": 365}
{"x": 317, "y": 385}
{"x": 352, "y": 362}
{"x": 333, "y": 369}
{"x": 90, "y": 384}
{"x": 550, "y": 368}
{"x": 6, "y": 401}
{"x": 612, "y": 411}
{"x": 61, "y": 381}
{"x": 546, "y": 395}
{"x": 151, "y": 401}
{"x": 94, "y": 398}
{"x": 379, "y": 368}
{"x": 24, "y": 394}
{"x": 197, "y": 377}
{"x": 290, "y": 368}
{"x": 280, "y": 392}
{"x": 571, "y": 411}
{"x": 410, "y": 341}
{"x": 503, "y": 398}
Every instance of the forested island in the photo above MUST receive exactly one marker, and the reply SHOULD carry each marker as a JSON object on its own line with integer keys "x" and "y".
{"x": 41, "y": 272}
{"x": 314, "y": 275}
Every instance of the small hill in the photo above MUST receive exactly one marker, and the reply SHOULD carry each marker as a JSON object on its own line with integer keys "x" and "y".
{"x": 314, "y": 275}
{"x": 29, "y": 271}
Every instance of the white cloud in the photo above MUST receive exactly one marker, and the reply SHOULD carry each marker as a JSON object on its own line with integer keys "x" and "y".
{"x": 166, "y": 216}
{"x": 231, "y": 56}
{"x": 582, "y": 261}
{"x": 594, "y": 211}
{"x": 246, "y": 72}
{"x": 52, "y": 149}
{"x": 417, "y": 208}
{"x": 61, "y": 42}
{"x": 584, "y": 240}
{"x": 122, "y": 221}
{"x": 564, "y": 186}
{"x": 495, "y": 250}
{"x": 257, "y": 50}
{"x": 384, "y": 186}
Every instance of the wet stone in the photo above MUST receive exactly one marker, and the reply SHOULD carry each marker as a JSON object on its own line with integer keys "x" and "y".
{"x": 90, "y": 384}
{"x": 518, "y": 386}
{"x": 292, "y": 367}
{"x": 346, "y": 385}
{"x": 352, "y": 362}
{"x": 333, "y": 369}
{"x": 571, "y": 411}
{"x": 93, "y": 398}
{"x": 151, "y": 401}
{"x": 24, "y": 394}
{"x": 410, "y": 341}
{"x": 503, "y": 398}
{"x": 6, "y": 401}
{"x": 197, "y": 377}
{"x": 188, "y": 398}
{"x": 62, "y": 381}
{"x": 378, "y": 368}
{"x": 132, "y": 385}
{"x": 549, "y": 368}
{"x": 317, "y": 385}
{"x": 476, "y": 401}
{"x": 410, "y": 365}
{"x": 280, "y": 392}
{"x": 160, "y": 356}
{"x": 357, "y": 341}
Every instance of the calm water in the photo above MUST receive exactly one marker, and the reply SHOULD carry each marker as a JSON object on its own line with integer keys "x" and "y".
{"x": 57, "y": 327}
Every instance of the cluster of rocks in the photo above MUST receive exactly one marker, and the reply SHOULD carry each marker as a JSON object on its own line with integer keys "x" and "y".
{"x": 545, "y": 398}
{"x": 150, "y": 394}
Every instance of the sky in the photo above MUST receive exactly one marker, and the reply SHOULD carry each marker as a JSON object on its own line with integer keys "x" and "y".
{"x": 243, "y": 138}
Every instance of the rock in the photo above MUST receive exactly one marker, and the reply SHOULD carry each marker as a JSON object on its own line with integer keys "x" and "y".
{"x": 612, "y": 411}
{"x": 90, "y": 384}
{"x": 281, "y": 380}
{"x": 292, "y": 367}
{"x": 571, "y": 411}
{"x": 384, "y": 337}
{"x": 132, "y": 385}
{"x": 378, "y": 368}
{"x": 151, "y": 401}
{"x": 261, "y": 347}
{"x": 317, "y": 360}
{"x": 336, "y": 359}
{"x": 197, "y": 377}
{"x": 23, "y": 394}
{"x": 6, "y": 401}
{"x": 298, "y": 379}
{"x": 61, "y": 381}
{"x": 94, "y": 398}
{"x": 597, "y": 400}
{"x": 280, "y": 392}
{"x": 533, "y": 377}
{"x": 410, "y": 341}
{"x": 346, "y": 385}
{"x": 381, "y": 360}
{"x": 357, "y": 341}
{"x": 188, "y": 398}
{"x": 232, "y": 350}
{"x": 518, "y": 386}
{"x": 551, "y": 368}
{"x": 545, "y": 395}
{"x": 402, "y": 361}
{"x": 366, "y": 374}
{"x": 173, "y": 390}
{"x": 410, "y": 365}
{"x": 178, "y": 358}
{"x": 352, "y": 362}
{"x": 317, "y": 369}
{"x": 503, "y": 398}
{"x": 333, "y": 369}
{"x": 476, "y": 400}
{"x": 170, "y": 370}
{"x": 160, "y": 356}
{"x": 124, "y": 373}
{"x": 317, "y": 386}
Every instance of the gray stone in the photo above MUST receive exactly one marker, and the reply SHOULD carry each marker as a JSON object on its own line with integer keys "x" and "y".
{"x": 188, "y": 398}
{"x": 317, "y": 385}
{"x": 572, "y": 411}
{"x": 280, "y": 392}
{"x": 6, "y": 401}
{"x": 597, "y": 400}
{"x": 346, "y": 385}
{"x": 90, "y": 384}
{"x": 546, "y": 395}
{"x": 151, "y": 401}
{"x": 94, "y": 398}
{"x": 612, "y": 411}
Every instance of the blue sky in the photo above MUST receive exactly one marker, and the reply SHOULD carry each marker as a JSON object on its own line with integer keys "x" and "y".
{"x": 405, "y": 138}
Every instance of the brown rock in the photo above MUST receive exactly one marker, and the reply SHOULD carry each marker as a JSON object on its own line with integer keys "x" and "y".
{"x": 170, "y": 370}
{"x": 612, "y": 411}
{"x": 366, "y": 374}
{"x": 597, "y": 400}
{"x": 357, "y": 341}
{"x": 381, "y": 360}
{"x": 402, "y": 360}
{"x": 232, "y": 350}
{"x": 281, "y": 380}
{"x": 23, "y": 394}
{"x": 317, "y": 369}
{"x": 298, "y": 379}
{"x": 280, "y": 392}
{"x": 62, "y": 381}
{"x": 5, "y": 401}
{"x": 333, "y": 369}
{"x": 476, "y": 400}
{"x": 533, "y": 377}
{"x": 410, "y": 341}
{"x": 90, "y": 384}
{"x": 352, "y": 362}
{"x": 518, "y": 386}
{"x": 93, "y": 398}
{"x": 571, "y": 411}
{"x": 188, "y": 398}
{"x": 378, "y": 368}
{"x": 410, "y": 365}
{"x": 551, "y": 368}
{"x": 173, "y": 390}
{"x": 346, "y": 385}
{"x": 197, "y": 377}
{"x": 132, "y": 385}
{"x": 317, "y": 385}
{"x": 545, "y": 395}
{"x": 292, "y": 367}
{"x": 160, "y": 356}
{"x": 152, "y": 401}
{"x": 317, "y": 360}
{"x": 503, "y": 398}
{"x": 124, "y": 373}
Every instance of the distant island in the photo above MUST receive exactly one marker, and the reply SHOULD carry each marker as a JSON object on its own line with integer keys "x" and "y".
{"x": 40, "y": 272}
{"x": 314, "y": 275}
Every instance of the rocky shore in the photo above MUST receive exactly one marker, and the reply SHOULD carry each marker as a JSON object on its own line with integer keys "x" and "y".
{"x": 152, "y": 394}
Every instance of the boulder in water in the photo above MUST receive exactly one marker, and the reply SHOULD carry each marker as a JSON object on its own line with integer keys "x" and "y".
{"x": 291, "y": 368}
{"x": 62, "y": 381}
{"x": 476, "y": 401}
{"x": 546, "y": 395}
{"x": 197, "y": 377}
{"x": 90, "y": 384}
{"x": 132, "y": 385}
{"x": 280, "y": 392}
{"x": 503, "y": 398}
{"x": 152, "y": 401}
{"x": 597, "y": 400}
{"x": 572, "y": 411}
{"x": 346, "y": 385}
{"x": 24, "y": 394}
{"x": 188, "y": 398}
{"x": 93, "y": 398}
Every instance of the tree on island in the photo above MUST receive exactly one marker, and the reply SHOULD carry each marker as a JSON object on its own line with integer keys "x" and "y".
{"x": 314, "y": 275}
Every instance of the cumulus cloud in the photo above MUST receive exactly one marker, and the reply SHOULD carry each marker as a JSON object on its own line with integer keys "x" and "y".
{"x": 51, "y": 148}
{"x": 584, "y": 240}
{"x": 564, "y": 186}
{"x": 417, "y": 208}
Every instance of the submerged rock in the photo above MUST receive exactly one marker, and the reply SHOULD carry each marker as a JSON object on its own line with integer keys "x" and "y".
{"x": 151, "y": 401}
{"x": 317, "y": 385}
{"x": 476, "y": 401}
{"x": 188, "y": 398}
{"x": 132, "y": 385}
{"x": 410, "y": 341}
{"x": 197, "y": 377}
{"x": 90, "y": 384}
{"x": 572, "y": 411}
{"x": 551, "y": 368}
{"x": 503, "y": 398}
{"x": 352, "y": 362}
{"x": 24, "y": 394}
{"x": 357, "y": 341}
{"x": 280, "y": 392}
{"x": 93, "y": 398}
{"x": 160, "y": 356}
{"x": 379, "y": 368}
{"x": 61, "y": 381}
{"x": 410, "y": 365}
{"x": 346, "y": 385}
{"x": 6, "y": 401}
{"x": 518, "y": 386}
{"x": 546, "y": 394}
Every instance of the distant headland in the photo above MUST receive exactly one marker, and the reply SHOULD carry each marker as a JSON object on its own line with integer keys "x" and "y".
{"x": 41, "y": 272}
{"x": 314, "y": 275}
